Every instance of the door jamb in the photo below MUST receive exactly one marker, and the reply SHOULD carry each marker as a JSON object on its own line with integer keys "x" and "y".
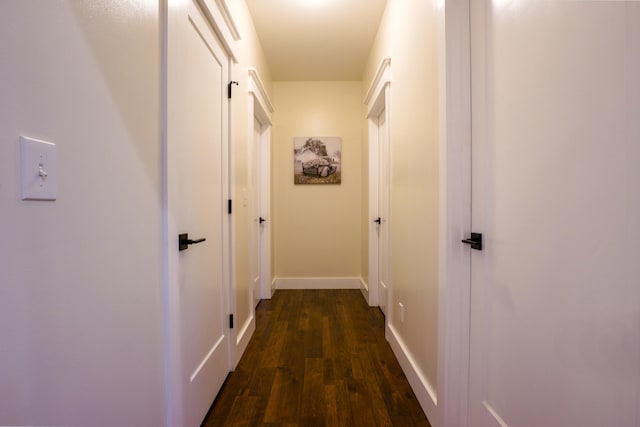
{"x": 454, "y": 290}
{"x": 260, "y": 109}
{"x": 377, "y": 101}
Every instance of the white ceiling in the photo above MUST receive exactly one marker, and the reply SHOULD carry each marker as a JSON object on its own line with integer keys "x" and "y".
{"x": 316, "y": 40}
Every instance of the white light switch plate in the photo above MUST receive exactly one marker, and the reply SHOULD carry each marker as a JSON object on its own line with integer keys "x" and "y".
{"x": 38, "y": 169}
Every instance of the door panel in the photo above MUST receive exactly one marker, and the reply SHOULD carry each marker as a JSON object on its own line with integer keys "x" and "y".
{"x": 383, "y": 212}
{"x": 256, "y": 210}
{"x": 198, "y": 210}
{"x": 555, "y": 305}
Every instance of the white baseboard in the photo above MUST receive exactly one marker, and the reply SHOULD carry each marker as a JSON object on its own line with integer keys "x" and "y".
{"x": 423, "y": 390}
{"x": 318, "y": 283}
{"x": 364, "y": 288}
{"x": 242, "y": 339}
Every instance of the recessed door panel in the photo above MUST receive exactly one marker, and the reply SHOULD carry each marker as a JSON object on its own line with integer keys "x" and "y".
{"x": 257, "y": 219}
{"x": 383, "y": 212}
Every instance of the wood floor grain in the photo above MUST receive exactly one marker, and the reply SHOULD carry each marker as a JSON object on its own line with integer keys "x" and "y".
{"x": 317, "y": 358}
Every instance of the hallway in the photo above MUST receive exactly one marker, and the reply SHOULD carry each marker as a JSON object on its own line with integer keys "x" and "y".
{"x": 317, "y": 357}
{"x": 489, "y": 205}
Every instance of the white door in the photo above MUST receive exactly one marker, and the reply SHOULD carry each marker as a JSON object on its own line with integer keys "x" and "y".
{"x": 197, "y": 117}
{"x": 383, "y": 212}
{"x": 256, "y": 211}
{"x": 555, "y": 292}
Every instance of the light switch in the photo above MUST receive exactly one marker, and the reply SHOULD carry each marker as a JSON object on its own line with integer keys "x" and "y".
{"x": 38, "y": 169}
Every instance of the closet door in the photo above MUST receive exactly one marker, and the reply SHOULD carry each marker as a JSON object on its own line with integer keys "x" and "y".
{"x": 555, "y": 292}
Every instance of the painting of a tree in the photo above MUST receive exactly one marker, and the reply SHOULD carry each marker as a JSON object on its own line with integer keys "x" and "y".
{"x": 315, "y": 145}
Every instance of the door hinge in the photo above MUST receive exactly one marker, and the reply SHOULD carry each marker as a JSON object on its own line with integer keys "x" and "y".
{"x": 229, "y": 207}
{"x": 231, "y": 83}
{"x": 231, "y": 321}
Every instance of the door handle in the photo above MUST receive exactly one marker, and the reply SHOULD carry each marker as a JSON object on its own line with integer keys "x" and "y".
{"x": 378, "y": 220}
{"x": 184, "y": 241}
{"x": 475, "y": 241}
{"x": 261, "y": 220}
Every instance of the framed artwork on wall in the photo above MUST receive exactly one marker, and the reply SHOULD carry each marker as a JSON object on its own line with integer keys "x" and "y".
{"x": 317, "y": 160}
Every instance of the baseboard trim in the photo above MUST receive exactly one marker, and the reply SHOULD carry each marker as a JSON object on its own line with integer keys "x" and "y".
{"x": 318, "y": 283}
{"x": 242, "y": 340}
{"x": 364, "y": 288}
{"x": 423, "y": 390}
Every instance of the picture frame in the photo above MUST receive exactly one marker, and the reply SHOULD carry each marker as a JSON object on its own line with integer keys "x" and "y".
{"x": 317, "y": 160}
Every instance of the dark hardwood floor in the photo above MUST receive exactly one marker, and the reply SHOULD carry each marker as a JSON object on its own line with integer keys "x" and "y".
{"x": 317, "y": 358}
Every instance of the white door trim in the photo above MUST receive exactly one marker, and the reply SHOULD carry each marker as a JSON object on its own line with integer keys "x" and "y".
{"x": 259, "y": 92}
{"x": 380, "y": 80}
{"x": 454, "y": 291}
{"x": 261, "y": 109}
{"x": 377, "y": 102}
{"x": 172, "y": 63}
{"x": 219, "y": 16}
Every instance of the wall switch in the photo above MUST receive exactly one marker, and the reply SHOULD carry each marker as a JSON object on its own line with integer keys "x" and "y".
{"x": 401, "y": 311}
{"x": 38, "y": 169}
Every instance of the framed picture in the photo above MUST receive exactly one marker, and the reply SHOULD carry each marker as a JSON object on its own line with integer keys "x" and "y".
{"x": 317, "y": 160}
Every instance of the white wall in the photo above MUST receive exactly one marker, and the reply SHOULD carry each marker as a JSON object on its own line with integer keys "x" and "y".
{"x": 80, "y": 284}
{"x": 317, "y": 228}
{"x": 408, "y": 35}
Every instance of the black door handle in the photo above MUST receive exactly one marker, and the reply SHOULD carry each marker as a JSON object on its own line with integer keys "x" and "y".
{"x": 184, "y": 241}
{"x": 475, "y": 241}
{"x": 378, "y": 221}
{"x": 261, "y": 220}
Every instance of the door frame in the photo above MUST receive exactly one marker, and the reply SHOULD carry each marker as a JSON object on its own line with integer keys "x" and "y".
{"x": 172, "y": 63}
{"x": 377, "y": 101}
{"x": 454, "y": 290}
{"x": 261, "y": 109}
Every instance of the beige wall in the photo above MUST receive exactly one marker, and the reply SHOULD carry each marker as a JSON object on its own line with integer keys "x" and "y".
{"x": 80, "y": 278}
{"x": 249, "y": 54}
{"x": 408, "y": 35}
{"x": 317, "y": 228}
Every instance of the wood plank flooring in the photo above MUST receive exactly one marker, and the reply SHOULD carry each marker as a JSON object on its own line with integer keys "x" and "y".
{"x": 317, "y": 358}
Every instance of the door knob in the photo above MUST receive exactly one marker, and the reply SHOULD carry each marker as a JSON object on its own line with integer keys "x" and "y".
{"x": 378, "y": 220}
{"x": 184, "y": 241}
{"x": 261, "y": 220}
{"x": 475, "y": 241}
